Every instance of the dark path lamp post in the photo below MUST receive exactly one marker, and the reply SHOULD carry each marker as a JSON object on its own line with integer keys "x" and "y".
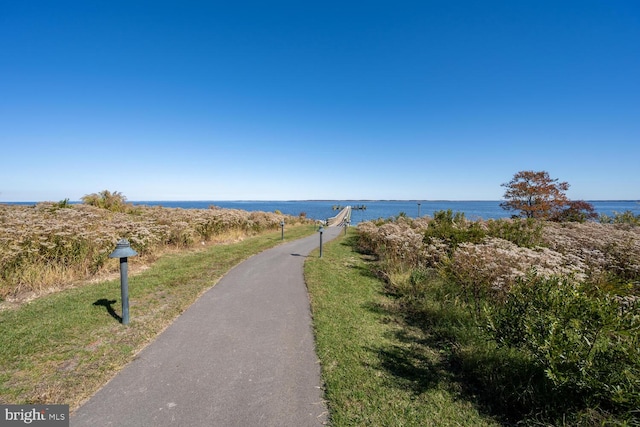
{"x": 282, "y": 225}
{"x": 123, "y": 251}
{"x": 321, "y": 229}
{"x": 419, "y": 209}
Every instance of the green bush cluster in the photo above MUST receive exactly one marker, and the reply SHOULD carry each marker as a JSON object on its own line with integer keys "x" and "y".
{"x": 115, "y": 202}
{"x": 453, "y": 229}
{"x": 585, "y": 341}
{"x": 626, "y": 217}
{"x": 540, "y": 319}
{"x": 524, "y": 232}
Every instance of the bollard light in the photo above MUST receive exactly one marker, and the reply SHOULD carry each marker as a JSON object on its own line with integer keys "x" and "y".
{"x": 282, "y": 225}
{"x": 321, "y": 229}
{"x": 346, "y": 225}
{"x": 418, "y": 209}
{"x": 123, "y": 251}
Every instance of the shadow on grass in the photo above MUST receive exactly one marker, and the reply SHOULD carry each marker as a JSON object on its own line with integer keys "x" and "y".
{"x": 439, "y": 344}
{"x": 417, "y": 371}
{"x": 108, "y": 304}
{"x": 431, "y": 350}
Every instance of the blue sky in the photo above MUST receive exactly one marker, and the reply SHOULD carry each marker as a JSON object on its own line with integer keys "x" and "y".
{"x": 317, "y": 100}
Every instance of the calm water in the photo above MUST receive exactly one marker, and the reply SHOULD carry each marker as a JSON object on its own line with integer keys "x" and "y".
{"x": 377, "y": 208}
{"x": 382, "y": 209}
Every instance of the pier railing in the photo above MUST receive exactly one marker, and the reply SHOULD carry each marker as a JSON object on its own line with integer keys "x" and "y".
{"x": 340, "y": 218}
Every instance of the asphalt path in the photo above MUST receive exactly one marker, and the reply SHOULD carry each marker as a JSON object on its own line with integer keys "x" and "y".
{"x": 242, "y": 355}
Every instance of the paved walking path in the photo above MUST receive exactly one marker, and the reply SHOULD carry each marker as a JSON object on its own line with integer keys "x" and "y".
{"x": 242, "y": 355}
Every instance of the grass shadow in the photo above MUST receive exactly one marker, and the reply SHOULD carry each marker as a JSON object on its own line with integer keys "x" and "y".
{"x": 415, "y": 358}
{"x": 411, "y": 366}
{"x": 108, "y": 304}
{"x": 438, "y": 345}
{"x": 440, "y": 341}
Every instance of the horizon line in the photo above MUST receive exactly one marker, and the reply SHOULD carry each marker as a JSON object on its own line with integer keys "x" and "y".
{"x": 308, "y": 200}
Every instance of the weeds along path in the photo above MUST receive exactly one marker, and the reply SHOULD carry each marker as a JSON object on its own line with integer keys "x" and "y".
{"x": 243, "y": 354}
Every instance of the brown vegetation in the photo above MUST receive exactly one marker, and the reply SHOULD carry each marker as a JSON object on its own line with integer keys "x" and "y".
{"x": 50, "y": 246}
{"x": 536, "y": 195}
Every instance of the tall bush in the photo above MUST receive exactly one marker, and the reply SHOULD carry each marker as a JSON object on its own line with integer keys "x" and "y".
{"x": 453, "y": 229}
{"x": 116, "y": 201}
{"x": 525, "y": 232}
{"x": 587, "y": 342}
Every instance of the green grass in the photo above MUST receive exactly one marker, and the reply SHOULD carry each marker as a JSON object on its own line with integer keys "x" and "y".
{"x": 61, "y": 348}
{"x": 378, "y": 370}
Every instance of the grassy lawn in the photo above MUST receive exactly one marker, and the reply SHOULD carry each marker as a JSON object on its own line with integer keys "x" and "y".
{"x": 378, "y": 370}
{"x": 63, "y": 347}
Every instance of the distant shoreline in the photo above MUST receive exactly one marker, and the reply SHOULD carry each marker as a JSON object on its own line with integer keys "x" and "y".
{"x": 372, "y": 209}
{"x": 155, "y": 202}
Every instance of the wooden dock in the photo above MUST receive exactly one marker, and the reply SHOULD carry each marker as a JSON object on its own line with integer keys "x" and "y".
{"x": 343, "y": 216}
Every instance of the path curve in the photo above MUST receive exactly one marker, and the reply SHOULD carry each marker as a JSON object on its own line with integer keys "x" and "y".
{"x": 242, "y": 355}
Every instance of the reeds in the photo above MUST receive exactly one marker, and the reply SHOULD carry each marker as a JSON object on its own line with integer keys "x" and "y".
{"x": 50, "y": 245}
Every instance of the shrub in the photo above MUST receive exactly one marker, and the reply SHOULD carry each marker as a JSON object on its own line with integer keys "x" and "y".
{"x": 576, "y": 211}
{"x": 626, "y": 217}
{"x": 116, "y": 201}
{"x": 587, "y": 342}
{"x": 367, "y": 238}
{"x": 561, "y": 299}
{"x": 520, "y": 231}
{"x": 610, "y": 252}
{"x": 453, "y": 229}
{"x": 400, "y": 244}
{"x": 62, "y": 204}
{"x": 489, "y": 269}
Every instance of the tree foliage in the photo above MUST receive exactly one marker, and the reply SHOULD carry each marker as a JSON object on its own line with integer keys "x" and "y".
{"x": 576, "y": 211}
{"x": 535, "y": 195}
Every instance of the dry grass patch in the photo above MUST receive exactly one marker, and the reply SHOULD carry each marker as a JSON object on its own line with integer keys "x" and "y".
{"x": 50, "y": 247}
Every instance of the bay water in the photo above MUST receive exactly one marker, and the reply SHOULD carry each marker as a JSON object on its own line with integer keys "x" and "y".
{"x": 375, "y": 209}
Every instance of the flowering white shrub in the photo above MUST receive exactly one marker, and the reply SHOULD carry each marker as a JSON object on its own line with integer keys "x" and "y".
{"x": 396, "y": 242}
{"x": 495, "y": 264}
{"x": 604, "y": 249}
{"x": 583, "y": 252}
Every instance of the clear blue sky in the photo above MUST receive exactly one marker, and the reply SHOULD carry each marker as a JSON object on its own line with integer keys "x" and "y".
{"x": 237, "y": 100}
